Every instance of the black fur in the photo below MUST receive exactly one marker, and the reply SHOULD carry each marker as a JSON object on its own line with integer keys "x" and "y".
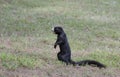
{"x": 65, "y": 51}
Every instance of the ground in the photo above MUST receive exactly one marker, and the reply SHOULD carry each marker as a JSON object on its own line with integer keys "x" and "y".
{"x": 26, "y": 39}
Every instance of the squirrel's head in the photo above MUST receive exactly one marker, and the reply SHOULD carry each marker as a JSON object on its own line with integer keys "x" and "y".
{"x": 57, "y": 30}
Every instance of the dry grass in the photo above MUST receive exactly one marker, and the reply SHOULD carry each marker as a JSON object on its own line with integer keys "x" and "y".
{"x": 26, "y": 40}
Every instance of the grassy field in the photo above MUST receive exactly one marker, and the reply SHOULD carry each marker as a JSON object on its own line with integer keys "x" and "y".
{"x": 26, "y": 40}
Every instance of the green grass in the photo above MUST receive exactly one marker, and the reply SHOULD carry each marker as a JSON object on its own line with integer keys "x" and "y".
{"x": 13, "y": 61}
{"x": 110, "y": 59}
{"x": 92, "y": 27}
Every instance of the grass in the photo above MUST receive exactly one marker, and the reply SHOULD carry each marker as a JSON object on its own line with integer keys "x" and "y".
{"x": 26, "y": 40}
{"x": 108, "y": 58}
{"x": 13, "y": 61}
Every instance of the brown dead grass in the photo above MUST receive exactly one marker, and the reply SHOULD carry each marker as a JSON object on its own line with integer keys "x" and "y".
{"x": 61, "y": 71}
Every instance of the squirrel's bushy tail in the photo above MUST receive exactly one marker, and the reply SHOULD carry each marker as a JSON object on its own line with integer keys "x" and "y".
{"x": 88, "y": 62}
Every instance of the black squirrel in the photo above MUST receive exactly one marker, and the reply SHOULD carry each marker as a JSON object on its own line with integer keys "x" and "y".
{"x": 65, "y": 52}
